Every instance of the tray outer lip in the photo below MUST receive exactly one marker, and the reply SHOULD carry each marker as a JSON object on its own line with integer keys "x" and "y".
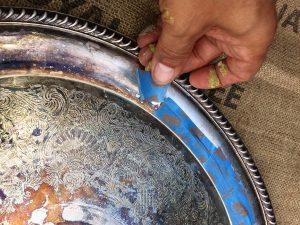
{"x": 25, "y": 15}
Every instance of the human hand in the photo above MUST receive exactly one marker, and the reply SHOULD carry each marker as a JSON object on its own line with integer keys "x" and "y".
{"x": 192, "y": 33}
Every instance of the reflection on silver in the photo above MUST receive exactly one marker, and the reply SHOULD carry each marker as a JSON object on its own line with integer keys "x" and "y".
{"x": 96, "y": 55}
{"x": 73, "y": 141}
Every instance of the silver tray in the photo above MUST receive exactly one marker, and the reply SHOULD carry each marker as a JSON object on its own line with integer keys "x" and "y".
{"x": 78, "y": 146}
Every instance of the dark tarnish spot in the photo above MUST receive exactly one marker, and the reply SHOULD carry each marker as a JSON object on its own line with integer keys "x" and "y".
{"x": 37, "y": 132}
{"x": 132, "y": 196}
{"x": 46, "y": 138}
{"x": 228, "y": 193}
{"x": 2, "y": 195}
{"x": 219, "y": 153}
{"x": 172, "y": 120}
{"x": 125, "y": 215}
{"x": 196, "y": 132}
{"x": 202, "y": 159}
{"x": 21, "y": 177}
{"x": 241, "y": 209}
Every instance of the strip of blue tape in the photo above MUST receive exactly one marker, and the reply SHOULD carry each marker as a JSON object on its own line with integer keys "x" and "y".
{"x": 219, "y": 168}
{"x": 149, "y": 91}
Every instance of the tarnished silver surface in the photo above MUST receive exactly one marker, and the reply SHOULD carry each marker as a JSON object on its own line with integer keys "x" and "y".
{"x": 63, "y": 137}
{"x": 41, "y": 44}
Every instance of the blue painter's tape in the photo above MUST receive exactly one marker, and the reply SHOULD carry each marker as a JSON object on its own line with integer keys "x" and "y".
{"x": 214, "y": 162}
{"x": 149, "y": 91}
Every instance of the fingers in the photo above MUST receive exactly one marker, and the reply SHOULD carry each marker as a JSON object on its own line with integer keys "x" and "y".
{"x": 225, "y": 73}
{"x": 176, "y": 41}
{"x": 146, "y": 54}
{"x": 203, "y": 53}
{"x": 146, "y": 41}
{"x": 183, "y": 48}
{"x": 149, "y": 35}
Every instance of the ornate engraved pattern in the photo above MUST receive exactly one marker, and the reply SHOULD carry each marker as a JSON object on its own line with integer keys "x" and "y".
{"x": 68, "y": 22}
{"x": 96, "y": 31}
{"x": 69, "y": 138}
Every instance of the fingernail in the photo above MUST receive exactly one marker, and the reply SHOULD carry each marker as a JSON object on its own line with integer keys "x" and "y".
{"x": 149, "y": 66}
{"x": 147, "y": 30}
{"x": 223, "y": 68}
{"x": 145, "y": 55}
{"x": 152, "y": 48}
{"x": 163, "y": 74}
{"x": 213, "y": 79}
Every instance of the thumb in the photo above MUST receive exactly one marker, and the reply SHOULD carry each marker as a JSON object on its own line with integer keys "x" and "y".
{"x": 173, "y": 49}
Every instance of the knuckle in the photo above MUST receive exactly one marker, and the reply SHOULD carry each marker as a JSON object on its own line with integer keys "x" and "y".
{"x": 171, "y": 61}
{"x": 171, "y": 55}
{"x": 175, "y": 46}
{"x": 197, "y": 54}
{"x": 247, "y": 76}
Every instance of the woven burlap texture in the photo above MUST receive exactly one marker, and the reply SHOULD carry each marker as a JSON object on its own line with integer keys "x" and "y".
{"x": 265, "y": 111}
{"x": 267, "y": 116}
{"x": 126, "y": 16}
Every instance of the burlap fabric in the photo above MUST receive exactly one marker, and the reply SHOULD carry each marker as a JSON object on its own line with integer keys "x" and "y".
{"x": 265, "y": 111}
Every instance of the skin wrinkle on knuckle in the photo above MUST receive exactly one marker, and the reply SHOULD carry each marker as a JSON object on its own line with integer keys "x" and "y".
{"x": 199, "y": 56}
{"x": 170, "y": 55}
{"x": 247, "y": 57}
{"x": 177, "y": 45}
{"x": 243, "y": 76}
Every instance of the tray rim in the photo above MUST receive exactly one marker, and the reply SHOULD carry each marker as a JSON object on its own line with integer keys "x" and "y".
{"x": 19, "y": 16}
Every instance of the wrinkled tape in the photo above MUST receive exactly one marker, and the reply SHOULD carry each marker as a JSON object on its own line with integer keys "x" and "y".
{"x": 218, "y": 167}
